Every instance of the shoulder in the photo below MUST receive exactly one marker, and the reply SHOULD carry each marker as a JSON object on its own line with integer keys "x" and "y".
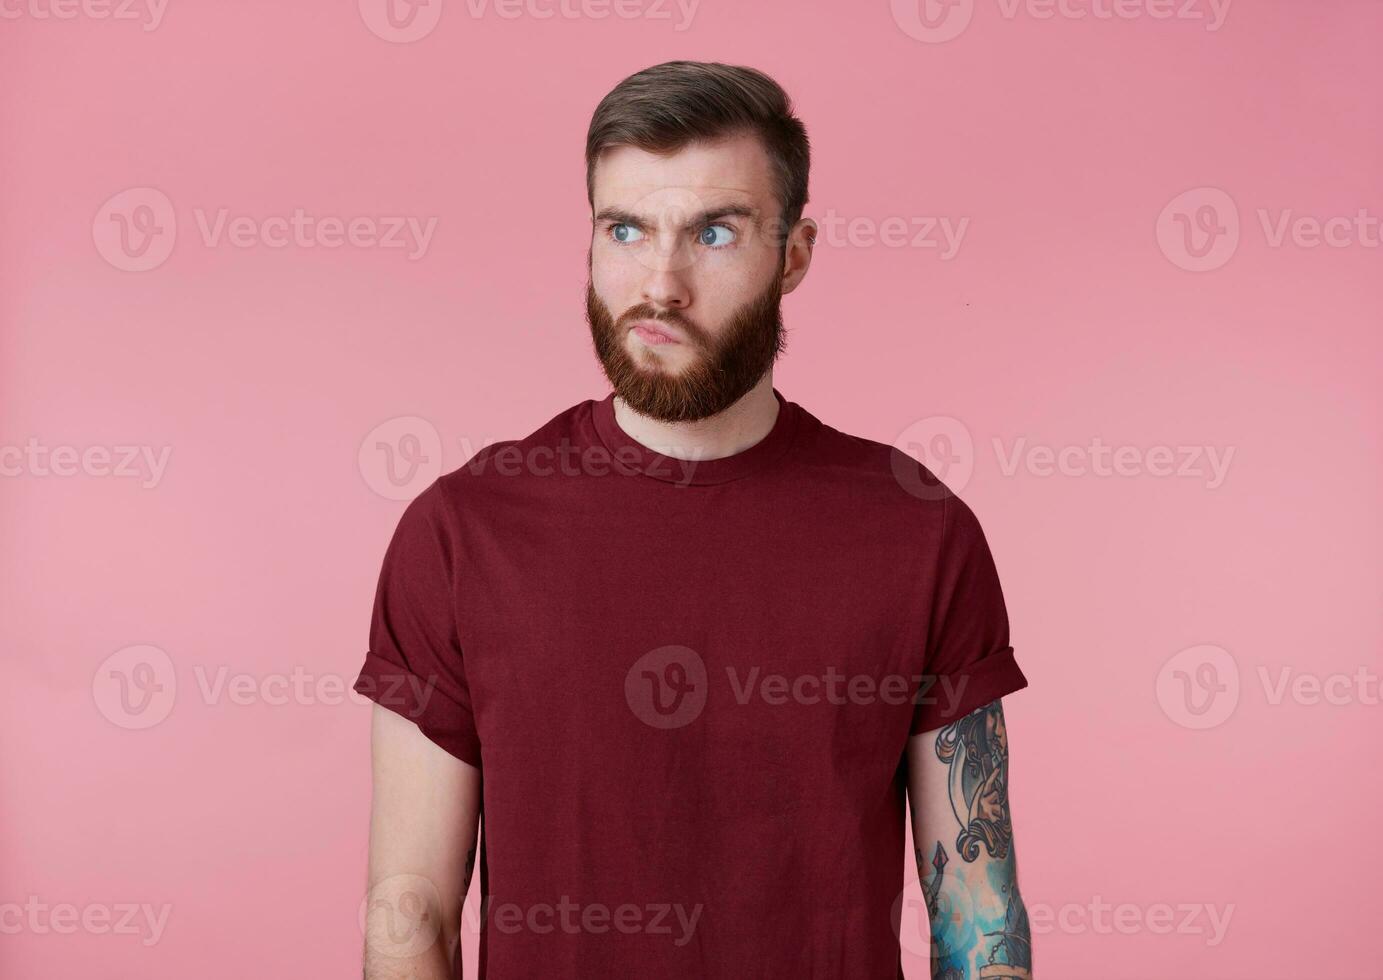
{"x": 506, "y": 463}
{"x": 887, "y": 475}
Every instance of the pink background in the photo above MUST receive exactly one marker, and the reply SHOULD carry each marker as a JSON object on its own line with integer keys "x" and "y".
{"x": 1068, "y": 314}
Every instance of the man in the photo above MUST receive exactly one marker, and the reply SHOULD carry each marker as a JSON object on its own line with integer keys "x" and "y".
{"x": 687, "y": 647}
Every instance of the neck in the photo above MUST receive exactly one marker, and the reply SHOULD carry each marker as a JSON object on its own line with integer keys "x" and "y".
{"x": 726, "y": 433}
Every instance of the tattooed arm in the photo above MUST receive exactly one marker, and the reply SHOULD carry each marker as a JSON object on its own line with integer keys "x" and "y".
{"x": 958, "y": 792}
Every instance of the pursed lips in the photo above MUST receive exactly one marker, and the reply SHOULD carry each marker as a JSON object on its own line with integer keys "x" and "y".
{"x": 653, "y": 332}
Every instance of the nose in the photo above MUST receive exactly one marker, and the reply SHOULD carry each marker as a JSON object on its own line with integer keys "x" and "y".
{"x": 666, "y": 290}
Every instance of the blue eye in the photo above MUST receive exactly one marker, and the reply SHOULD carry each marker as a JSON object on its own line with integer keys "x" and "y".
{"x": 624, "y": 234}
{"x": 708, "y": 236}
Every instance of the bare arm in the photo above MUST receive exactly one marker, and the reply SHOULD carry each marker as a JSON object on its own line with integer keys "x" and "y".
{"x": 423, "y": 818}
{"x": 963, "y": 836}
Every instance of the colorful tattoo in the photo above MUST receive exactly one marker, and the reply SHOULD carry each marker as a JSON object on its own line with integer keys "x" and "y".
{"x": 976, "y": 749}
{"x": 979, "y": 923}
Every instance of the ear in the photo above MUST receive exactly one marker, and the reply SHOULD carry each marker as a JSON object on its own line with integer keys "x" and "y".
{"x": 797, "y": 255}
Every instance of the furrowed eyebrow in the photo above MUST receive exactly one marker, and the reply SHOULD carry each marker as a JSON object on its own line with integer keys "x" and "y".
{"x": 620, "y": 216}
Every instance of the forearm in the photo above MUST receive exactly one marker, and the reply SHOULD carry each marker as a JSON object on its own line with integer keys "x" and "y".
{"x": 412, "y": 932}
{"x": 432, "y": 964}
{"x": 963, "y": 832}
{"x": 408, "y": 933}
{"x": 977, "y": 916}
{"x": 424, "y": 817}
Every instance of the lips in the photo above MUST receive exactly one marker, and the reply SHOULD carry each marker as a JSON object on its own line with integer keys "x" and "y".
{"x": 653, "y": 332}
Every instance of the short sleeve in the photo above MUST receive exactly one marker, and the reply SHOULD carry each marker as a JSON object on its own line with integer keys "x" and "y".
{"x": 414, "y": 665}
{"x": 968, "y": 659}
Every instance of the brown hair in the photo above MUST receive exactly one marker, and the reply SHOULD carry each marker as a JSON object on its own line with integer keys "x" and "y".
{"x": 663, "y": 108}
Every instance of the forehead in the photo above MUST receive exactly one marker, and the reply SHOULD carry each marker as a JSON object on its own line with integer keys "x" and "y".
{"x": 735, "y": 170}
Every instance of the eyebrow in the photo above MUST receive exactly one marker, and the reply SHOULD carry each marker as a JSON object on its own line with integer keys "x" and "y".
{"x": 622, "y": 217}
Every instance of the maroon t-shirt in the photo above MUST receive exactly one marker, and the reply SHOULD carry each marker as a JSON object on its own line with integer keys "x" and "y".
{"x": 688, "y": 686}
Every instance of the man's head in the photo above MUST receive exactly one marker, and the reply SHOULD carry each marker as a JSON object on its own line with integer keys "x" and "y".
{"x": 697, "y": 176}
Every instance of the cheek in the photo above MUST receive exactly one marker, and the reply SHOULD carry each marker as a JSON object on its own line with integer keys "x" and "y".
{"x": 722, "y": 285}
{"x": 741, "y": 273}
{"x": 612, "y": 281}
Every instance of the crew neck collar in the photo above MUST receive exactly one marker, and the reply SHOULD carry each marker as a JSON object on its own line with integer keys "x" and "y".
{"x": 630, "y": 456}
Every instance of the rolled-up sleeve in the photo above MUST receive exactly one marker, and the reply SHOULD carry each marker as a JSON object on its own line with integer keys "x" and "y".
{"x": 969, "y": 661}
{"x": 414, "y": 665}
